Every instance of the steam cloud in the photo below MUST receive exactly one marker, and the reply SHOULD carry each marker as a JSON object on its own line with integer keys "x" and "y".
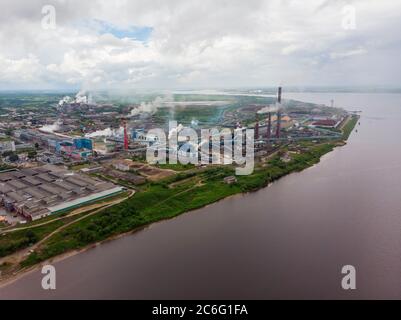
{"x": 175, "y": 131}
{"x": 52, "y": 127}
{"x": 267, "y": 109}
{"x": 106, "y": 133}
{"x": 81, "y": 97}
{"x": 151, "y": 107}
{"x": 65, "y": 100}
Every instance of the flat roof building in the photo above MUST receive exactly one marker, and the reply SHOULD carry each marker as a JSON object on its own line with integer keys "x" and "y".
{"x": 17, "y": 184}
{"x": 31, "y": 180}
{"x": 38, "y": 192}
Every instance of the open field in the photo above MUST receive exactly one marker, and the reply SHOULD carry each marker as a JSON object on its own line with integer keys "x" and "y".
{"x": 349, "y": 126}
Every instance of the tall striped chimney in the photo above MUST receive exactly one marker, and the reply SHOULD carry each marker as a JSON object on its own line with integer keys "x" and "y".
{"x": 257, "y": 127}
{"x": 279, "y": 113}
{"x": 125, "y": 136}
{"x": 279, "y": 95}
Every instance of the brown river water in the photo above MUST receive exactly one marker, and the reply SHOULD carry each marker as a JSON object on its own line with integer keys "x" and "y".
{"x": 289, "y": 240}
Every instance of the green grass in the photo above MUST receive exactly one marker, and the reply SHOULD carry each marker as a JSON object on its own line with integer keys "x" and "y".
{"x": 349, "y": 126}
{"x": 33, "y": 223}
{"x": 14, "y": 241}
{"x": 176, "y": 167}
{"x": 25, "y": 150}
{"x": 5, "y": 167}
{"x": 79, "y": 166}
{"x": 187, "y": 114}
{"x": 4, "y": 267}
{"x": 119, "y": 181}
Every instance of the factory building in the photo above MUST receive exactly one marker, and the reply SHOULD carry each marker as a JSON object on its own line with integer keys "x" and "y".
{"x": 123, "y": 164}
{"x": 39, "y": 192}
{"x": 7, "y": 146}
{"x": 64, "y": 147}
{"x": 83, "y": 143}
{"x": 139, "y": 136}
{"x": 46, "y": 140}
{"x": 76, "y": 148}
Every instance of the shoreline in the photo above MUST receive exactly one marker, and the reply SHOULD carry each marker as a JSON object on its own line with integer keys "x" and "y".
{"x": 26, "y": 271}
{"x": 11, "y": 278}
{"x": 23, "y": 272}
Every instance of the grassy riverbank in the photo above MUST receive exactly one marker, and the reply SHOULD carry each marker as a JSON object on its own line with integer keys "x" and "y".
{"x": 349, "y": 126}
{"x": 169, "y": 198}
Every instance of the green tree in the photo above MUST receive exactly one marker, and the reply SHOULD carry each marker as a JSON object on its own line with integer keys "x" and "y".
{"x": 31, "y": 236}
{"x": 9, "y": 131}
{"x": 32, "y": 154}
{"x": 7, "y": 153}
{"x": 13, "y": 157}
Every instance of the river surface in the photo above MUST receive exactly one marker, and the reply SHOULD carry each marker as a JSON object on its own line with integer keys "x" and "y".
{"x": 289, "y": 240}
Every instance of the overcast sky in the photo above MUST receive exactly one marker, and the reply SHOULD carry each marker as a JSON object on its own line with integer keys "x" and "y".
{"x": 98, "y": 44}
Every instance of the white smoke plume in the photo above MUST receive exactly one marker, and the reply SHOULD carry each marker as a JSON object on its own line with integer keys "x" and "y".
{"x": 270, "y": 108}
{"x": 52, "y": 127}
{"x": 153, "y": 106}
{"x": 175, "y": 130}
{"x": 106, "y": 133}
{"x": 81, "y": 97}
{"x": 65, "y": 100}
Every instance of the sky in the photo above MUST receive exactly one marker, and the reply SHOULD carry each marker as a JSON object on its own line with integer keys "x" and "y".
{"x": 130, "y": 44}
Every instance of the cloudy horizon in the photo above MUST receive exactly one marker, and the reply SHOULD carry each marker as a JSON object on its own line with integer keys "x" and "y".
{"x": 100, "y": 44}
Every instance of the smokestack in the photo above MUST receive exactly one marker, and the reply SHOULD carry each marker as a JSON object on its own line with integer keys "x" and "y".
{"x": 269, "y": 125}
{"x": 278, "y": 124}
{"x": 279, "y": 95}
{"x": 279, "y": 113}
{"x": 257, "y": 127}
{"x": 125, "y": 135}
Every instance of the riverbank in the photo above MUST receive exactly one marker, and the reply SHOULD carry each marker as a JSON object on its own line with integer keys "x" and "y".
{"x": 167, "y": 199}
{"x": 29, "y": 265}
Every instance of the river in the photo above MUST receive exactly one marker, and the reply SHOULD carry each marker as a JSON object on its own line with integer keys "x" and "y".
{"x": 289, "y": 240}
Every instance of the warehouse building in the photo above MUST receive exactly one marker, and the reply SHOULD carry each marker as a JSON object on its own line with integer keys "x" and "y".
{"x": 38, "y": 192}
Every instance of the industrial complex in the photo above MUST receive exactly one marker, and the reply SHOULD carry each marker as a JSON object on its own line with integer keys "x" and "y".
{"x": 41, "y": 150}
{"x": 77, "y": 171}
{"x": 38, "y": 192}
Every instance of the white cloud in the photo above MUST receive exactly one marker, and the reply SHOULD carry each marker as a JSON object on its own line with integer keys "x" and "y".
{"x": 21, "y": 70}
{"x": 208, "y": 43}
{"x": 349, "y": 53}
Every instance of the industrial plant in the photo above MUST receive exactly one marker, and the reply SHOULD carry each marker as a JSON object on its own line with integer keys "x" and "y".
{"x": 76, "y": 171}
{"x": 42, "y": 150}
